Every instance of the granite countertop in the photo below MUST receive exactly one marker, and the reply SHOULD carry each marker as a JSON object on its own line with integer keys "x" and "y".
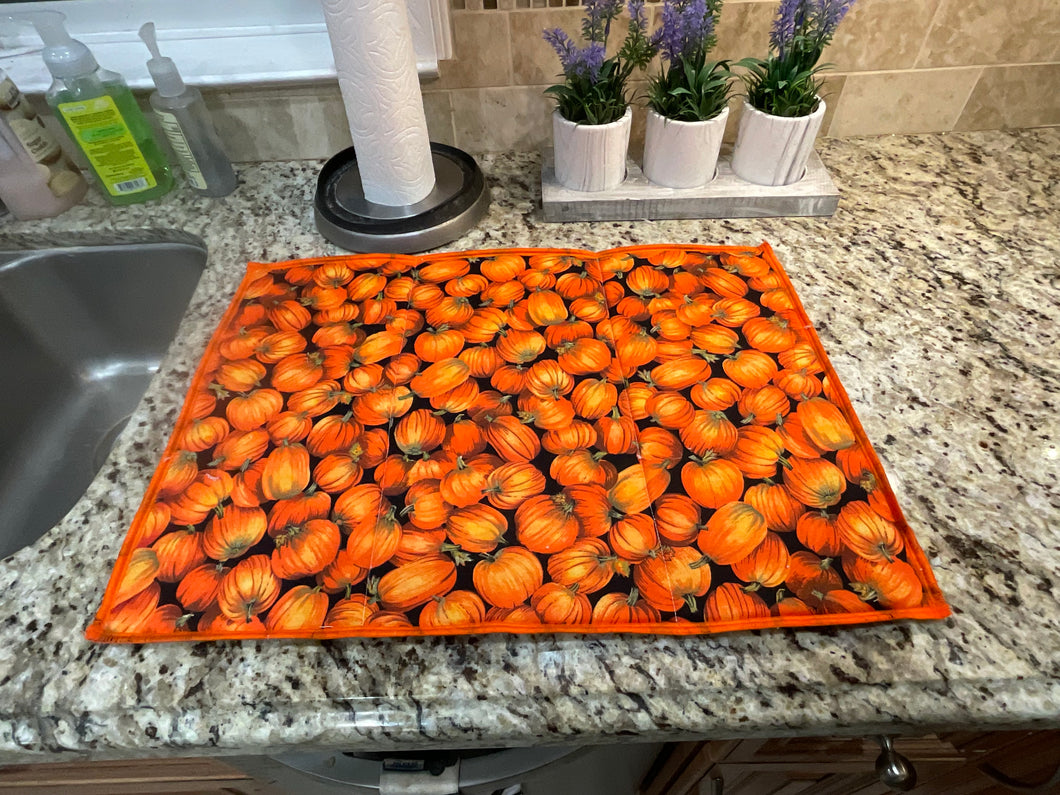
{"x": 936, "y": 290}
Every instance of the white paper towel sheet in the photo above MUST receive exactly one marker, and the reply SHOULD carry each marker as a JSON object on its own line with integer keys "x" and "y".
{"x": 376, "y": 67}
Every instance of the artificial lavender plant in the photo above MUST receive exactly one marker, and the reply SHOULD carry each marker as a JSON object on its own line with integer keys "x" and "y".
{"x": 688, "y": 88}
{"x": 593, "y": 90}
{"x": 788, "y": 82}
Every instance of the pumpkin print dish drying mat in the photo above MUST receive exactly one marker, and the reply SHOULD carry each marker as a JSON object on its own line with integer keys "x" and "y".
{"x": 648, "y": 439}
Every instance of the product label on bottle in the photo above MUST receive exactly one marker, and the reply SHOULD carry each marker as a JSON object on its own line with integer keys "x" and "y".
{"x": 9, "y": 94}
{"x": 181, "y": 149}
{"x": 105, "y": 138}
{"x": 36, "y": 140}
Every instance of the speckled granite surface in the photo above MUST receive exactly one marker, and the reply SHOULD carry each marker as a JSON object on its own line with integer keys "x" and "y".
{"x": 936, "y": 290}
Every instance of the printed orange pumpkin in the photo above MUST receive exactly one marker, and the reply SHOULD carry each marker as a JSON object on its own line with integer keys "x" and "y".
{"x": 178, "y": 552}
{"x": 623, "y": 609}
{"x": 302, "y": 550}
{"x": 354, "y": 611}
{"x": 233, "y": 532}
{"x": 634, "y": 537}
{"x": 248, "y": 589}
{"x": 561, "y": 604}
{"x": 301, "y": 607}
{"x": 766, "y": 565}
{"x": 413, "y": 584}
{"x": 824, "y": 424}
{"x": 673, "y": 579}
{"x": 372, "y": 542}
{"x": 286, "y": 472}
{"x": 712, "y": 482}
{"x": 546, "y": 523}
{"x": 456, "y": 608}
{"x": 730, "y": 602}
{"x": 868, "y": 534}
{"x": 732, "y": 533}
{"x": 892, "y": 585}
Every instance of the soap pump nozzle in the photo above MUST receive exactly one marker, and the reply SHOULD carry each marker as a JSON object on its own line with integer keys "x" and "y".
{"x": 64, "y": 56}
{"x": 163, "y": 71}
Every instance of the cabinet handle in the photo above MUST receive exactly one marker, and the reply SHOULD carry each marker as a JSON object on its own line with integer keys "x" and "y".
{"x": 717, "y": 784}
{"x": 894, "y": 770}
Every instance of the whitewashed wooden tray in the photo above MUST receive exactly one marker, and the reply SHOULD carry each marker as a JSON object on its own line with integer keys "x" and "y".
{"x": 726, "y": 196}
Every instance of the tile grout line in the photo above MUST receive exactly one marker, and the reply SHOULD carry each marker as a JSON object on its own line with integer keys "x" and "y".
{"x": 967, "y": 98}
{"x": 927, "y": 34}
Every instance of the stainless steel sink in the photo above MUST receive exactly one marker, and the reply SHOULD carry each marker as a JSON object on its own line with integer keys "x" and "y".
{"x": 82, "y": 331}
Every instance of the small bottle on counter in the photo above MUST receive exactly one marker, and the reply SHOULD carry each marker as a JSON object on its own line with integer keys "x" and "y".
{"x": 186, "y": 122}
{"x": 37, "y": 179}
{"x": 100, "y": 113}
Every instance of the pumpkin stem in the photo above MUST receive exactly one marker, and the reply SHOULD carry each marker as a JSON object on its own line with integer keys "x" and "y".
{"x": 865, "y": 591}
{"x": 690, "y": 601}
{"x": 781, "y": 595}
{"x": 784, "y": 462}
{"x": 886, "y": 552}
{"x": 752, "y": 587}
{"x": 698, "y": 564}
{"x": 633, "y": 598}
{"x": 349, "y": 591}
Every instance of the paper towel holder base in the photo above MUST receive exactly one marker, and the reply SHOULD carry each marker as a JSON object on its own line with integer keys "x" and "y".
{"x": 344, "y": 216}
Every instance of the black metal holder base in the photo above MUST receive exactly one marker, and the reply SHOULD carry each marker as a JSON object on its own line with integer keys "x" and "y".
{"x": 344, "y": 216}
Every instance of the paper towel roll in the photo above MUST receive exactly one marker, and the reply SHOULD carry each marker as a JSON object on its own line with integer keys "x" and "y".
{"x": 381, "y": 91}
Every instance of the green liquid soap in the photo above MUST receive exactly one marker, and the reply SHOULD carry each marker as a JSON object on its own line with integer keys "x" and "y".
{"x": 103, "y": 118}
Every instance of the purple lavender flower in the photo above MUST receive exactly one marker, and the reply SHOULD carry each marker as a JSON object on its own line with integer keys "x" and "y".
{"x": 589, "y": 61}
{"x": 687, "y": 29}
{"x": 832, "y": 13}
{"x": 637, "y": 14}
{"x": 815, "y": 20}
{"x": 784, "y": 25}
{"x": 598, "y": 17}
{"x": 576, "y": 61}
{"x": 563, "y": 46}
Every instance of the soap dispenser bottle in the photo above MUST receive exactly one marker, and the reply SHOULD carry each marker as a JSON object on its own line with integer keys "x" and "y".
{"x": 37, "y": 179}
{"x": 183, "y": 116}
{"x": 98, "y": 110}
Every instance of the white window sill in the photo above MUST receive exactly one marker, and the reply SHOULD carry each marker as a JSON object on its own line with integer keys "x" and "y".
{"x": 260, "y": 42}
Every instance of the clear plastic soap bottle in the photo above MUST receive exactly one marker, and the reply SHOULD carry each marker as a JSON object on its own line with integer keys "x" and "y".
{"x": 186, "y": 122}
{"x": 37, "y": 179}
{"x": 101, "y": 115}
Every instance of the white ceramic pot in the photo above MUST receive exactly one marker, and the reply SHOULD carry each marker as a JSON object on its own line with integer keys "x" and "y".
{"x": 591, "y": 157}
{"x": 682, "y": 154}
{"x": 773, "y": 150}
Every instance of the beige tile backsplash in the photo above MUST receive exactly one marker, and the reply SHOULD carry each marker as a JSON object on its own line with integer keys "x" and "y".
{"x": 898, "y": 66}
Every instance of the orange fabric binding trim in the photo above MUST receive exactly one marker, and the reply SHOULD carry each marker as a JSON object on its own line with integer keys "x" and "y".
{"x": 649, "y": 440}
